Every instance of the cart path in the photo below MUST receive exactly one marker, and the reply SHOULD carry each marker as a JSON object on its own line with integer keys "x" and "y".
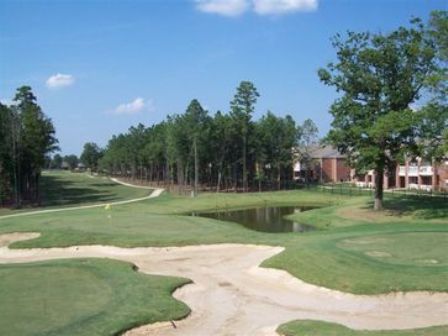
{"x": 156, "y": 192}
{"x": 232, "y": 295}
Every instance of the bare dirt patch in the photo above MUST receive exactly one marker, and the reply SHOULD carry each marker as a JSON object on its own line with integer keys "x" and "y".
{"x": 364, "y": 214}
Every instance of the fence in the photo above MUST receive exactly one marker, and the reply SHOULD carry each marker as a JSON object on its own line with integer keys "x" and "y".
{"x": 347, "y": 189}
{"x": 351, "y": 190}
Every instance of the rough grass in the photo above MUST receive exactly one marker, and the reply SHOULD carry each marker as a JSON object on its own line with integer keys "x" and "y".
{"x": 317, "y": 328}
{"x": 83, "y": 297}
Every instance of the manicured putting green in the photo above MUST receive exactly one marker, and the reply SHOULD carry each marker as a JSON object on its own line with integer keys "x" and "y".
{"x": 83, "y": 297}
{"x": 412, "y": 248}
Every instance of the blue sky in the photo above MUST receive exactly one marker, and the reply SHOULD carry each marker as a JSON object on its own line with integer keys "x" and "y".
{"x": 98, "y": 67}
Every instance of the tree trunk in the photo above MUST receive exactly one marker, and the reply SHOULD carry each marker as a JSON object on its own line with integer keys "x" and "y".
{"x": 196, "y": 168}
{"x": 379, "y": 178}
{"x": 279, "y": 177}
{"x": 37, "y": 189}
{"x": 180, "y": 173}
{"x": 235, "y": 177}
{"x": 218, "y": 184}
{"x": 244, "y": 163}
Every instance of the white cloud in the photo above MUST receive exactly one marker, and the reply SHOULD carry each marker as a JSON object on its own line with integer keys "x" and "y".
{"x": 223, "y": 7}
{"x": 59, "y": 81}
{"x": 235, "y": 8}
{"x": 6, "y": 101}
{"x": 135, "y": 106}
{"x": 278, "y": 7}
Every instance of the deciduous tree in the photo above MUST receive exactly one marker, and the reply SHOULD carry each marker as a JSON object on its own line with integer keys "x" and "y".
{"x": 91, "y": 154}
{"x": 378, "y": 77}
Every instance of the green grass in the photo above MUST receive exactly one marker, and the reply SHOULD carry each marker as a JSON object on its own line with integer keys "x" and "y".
{"x": 83, "y": 297}
{"x": 171, "y": 204}
{"x": 358, "y": 210}
{"x": 402, "y": 249}
{"x": 63, "y": 188}
{"x": 317, "y": 328}
{"x": 319, "y": 257}
{"x": 328, "y": 260}
{"x": 66, "y": 189}
{"x": 355, "y": 249}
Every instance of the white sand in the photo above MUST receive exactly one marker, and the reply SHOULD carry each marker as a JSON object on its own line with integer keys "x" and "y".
{"x": 231, "y": 295}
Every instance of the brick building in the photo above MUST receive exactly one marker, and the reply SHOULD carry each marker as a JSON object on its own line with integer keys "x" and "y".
{"x": 413, "y": 174}
{"x": 326, "y": 165}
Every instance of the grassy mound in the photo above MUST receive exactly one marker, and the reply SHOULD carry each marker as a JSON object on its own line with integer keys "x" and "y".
{"x": 317, "y": 328}
{"x": 83, "y": 297}
{"x": 365, "y": 260}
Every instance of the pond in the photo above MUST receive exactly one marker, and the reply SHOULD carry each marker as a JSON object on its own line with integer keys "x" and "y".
{"x": 265, "y": 219}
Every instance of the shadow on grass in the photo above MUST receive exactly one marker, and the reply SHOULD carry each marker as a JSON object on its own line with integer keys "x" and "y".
{"x": 418, "y": 207}
{"x": 58, "y": 191}
{"x": 106, "y": 184}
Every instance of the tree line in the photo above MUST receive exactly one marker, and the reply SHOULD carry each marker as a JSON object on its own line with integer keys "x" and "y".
{"x": 27, "y": 136}
{"x": 68, "y": 162}
{"x": 216, "y": 152}
{"x": 89, "y": 159}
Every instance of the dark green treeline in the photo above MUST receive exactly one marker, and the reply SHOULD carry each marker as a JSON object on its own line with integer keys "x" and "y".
{"x": 26, "y": 137}
{"x": 223, "y": 151}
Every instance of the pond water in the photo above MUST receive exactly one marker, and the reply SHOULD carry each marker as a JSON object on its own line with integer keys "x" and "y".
{"x": 266, "y": 219}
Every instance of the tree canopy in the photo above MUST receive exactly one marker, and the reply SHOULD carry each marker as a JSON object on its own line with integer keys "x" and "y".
{"x": 27, "y": 136}
{"x": 379, "y": 76}
{"x": 91, "y": 154}
{"x": 220, "y": 151}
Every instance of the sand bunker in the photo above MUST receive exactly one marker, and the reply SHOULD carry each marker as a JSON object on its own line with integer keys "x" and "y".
{"x": 232, "y": 295}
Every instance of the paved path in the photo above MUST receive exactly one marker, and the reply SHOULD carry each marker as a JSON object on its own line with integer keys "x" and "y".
{"x": 156, "y": 193}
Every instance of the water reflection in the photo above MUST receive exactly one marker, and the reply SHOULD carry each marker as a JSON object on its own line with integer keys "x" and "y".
{"x": 266, "y": 219}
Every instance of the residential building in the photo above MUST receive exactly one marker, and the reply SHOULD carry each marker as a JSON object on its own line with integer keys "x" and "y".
{"x": 325, "y": 165}
{"x": 412, "y": 174}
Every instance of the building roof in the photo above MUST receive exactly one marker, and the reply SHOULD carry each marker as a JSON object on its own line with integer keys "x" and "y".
{"x": 326, "y": 152}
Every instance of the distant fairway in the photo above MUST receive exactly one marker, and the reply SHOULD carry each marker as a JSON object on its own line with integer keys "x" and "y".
{"x": 65, "y": 189}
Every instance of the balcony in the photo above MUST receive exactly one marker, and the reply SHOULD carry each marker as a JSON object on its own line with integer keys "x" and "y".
{"x": 412, "y": 171}
{"x": 416, "y": 171}
{"x": 424, "y": 187}
{"x": 426, "y": 171}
